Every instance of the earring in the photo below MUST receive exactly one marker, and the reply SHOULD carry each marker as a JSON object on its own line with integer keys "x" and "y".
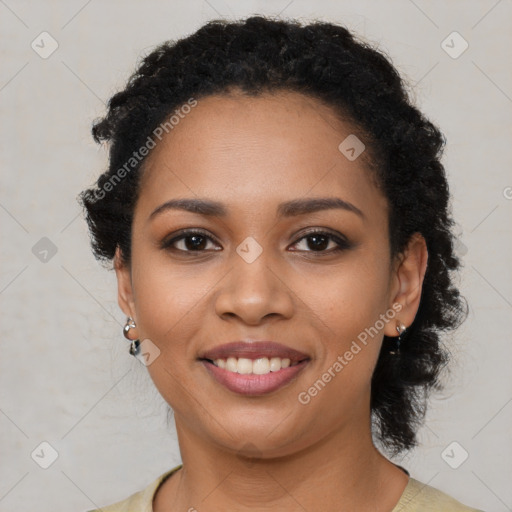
{"x": 400, "y": 328}
{"x": 134, "y": 344}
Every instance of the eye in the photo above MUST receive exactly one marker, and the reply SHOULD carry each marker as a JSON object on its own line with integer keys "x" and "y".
{"x": 319, "y": 242}
{"x": 189, "y": 241}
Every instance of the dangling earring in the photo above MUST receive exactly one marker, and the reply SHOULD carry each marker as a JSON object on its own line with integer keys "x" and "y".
{"x": 134, "y": 344}
{"x": 400, "y": 329}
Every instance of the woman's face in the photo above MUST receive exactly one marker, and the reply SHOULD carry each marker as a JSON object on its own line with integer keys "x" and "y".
{"x": 252, "y": 273}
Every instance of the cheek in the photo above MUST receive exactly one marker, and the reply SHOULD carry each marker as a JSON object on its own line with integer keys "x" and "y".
{"x": 348, "y": 298}
{"x": 349, "y": 302}
{"x": 168, "y": 297}
{"x": 169, "y": 302}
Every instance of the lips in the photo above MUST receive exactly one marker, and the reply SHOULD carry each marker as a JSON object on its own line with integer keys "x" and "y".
{"x": 254, "y": 350}
{"x": 273, "y": 366}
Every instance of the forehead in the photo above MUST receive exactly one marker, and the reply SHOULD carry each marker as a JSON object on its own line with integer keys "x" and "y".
{"x": 246, "y": 150}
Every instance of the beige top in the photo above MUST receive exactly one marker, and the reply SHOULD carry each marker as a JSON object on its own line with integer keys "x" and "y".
{"x": 417, "y": 497}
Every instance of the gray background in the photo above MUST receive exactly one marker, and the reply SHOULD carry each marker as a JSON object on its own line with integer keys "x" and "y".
{"x": 66, "y": 375}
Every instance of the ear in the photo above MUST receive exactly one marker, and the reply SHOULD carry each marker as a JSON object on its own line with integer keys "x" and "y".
{"x": 407, "y": 282}
{"x": 124, "y": 285}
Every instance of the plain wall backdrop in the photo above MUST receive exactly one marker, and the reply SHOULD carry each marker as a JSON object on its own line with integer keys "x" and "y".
{"x": 67, "y": 378}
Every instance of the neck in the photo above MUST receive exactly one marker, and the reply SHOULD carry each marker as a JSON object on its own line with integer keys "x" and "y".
{"x": 343, "y": 470}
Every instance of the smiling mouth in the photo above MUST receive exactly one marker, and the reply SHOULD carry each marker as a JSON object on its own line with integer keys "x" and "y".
{"x": 258, "y": 366}
{"x": 254, "y": 377}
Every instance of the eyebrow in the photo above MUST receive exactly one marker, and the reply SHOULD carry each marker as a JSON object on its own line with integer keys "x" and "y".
{"x": 291, "y": 208}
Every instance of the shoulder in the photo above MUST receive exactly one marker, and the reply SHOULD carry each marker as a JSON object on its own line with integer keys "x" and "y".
{"x": 420, "y": 497}
{"x": 417, "y": 497}
{"x": 141, "y": 501}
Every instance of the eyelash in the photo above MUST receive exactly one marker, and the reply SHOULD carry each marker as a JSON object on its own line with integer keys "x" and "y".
{"x": 342, "y": 243}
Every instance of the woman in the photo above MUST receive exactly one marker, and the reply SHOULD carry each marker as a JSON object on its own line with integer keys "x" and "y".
{"x": 278, "y": 220}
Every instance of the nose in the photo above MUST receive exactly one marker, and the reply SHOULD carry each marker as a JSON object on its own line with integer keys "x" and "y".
{"x": 253, "y": 292}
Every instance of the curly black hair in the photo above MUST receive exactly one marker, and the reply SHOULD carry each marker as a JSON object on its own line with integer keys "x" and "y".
{"x": 329, "y": 63}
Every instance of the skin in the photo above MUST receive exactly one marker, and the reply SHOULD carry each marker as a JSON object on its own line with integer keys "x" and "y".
{"x": 267, "y": 452}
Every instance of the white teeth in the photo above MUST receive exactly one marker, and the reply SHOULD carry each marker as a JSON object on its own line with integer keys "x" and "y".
{"x": 244, "y": 366}
{"x": 260, "y": 366}
{"x": 231, "y": 364}
{"x": 275, "y": 364}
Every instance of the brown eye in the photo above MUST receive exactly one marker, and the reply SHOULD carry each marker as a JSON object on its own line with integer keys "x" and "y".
{"x": 320, "y": 241}
{"x": 189, "y": 241}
